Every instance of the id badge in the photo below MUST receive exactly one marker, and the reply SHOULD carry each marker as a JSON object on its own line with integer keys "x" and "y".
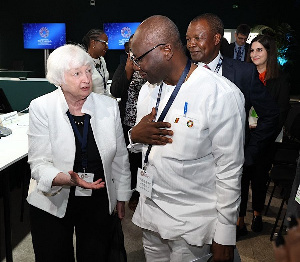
{"x": 88, "y": 177}
{"x": 297, "y": 197}
{"x": 144, "y": 182}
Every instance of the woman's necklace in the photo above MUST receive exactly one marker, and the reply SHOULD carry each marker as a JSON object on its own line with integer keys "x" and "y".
{"x": 78, "y": 120}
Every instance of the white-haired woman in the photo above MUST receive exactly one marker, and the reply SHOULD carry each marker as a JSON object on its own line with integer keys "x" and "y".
{"x": 78, "y": 160}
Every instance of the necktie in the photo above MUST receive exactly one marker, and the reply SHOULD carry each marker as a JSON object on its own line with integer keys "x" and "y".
{"x": 206, "y": 66}
{"x": 239, "y": 54}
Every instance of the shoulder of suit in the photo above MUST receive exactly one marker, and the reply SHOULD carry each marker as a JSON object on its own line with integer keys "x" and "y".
{"x": 238, "y": 63}
{"x": 46, "y": 97}
{"x": 47, "y": 102}
{"x": 102, "y": 98}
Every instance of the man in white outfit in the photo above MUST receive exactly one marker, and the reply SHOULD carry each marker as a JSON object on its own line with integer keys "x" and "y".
{"x": 190, "y": 183}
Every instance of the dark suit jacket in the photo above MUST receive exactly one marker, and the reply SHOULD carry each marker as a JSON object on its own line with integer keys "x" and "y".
{"x": 245, "y": 76}
{"x": 279, "y": 89}
{"x": 229, "y": 50}
{"x": 119, "y": 87}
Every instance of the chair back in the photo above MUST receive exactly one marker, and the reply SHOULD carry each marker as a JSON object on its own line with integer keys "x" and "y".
{"x": 292, "y": 123}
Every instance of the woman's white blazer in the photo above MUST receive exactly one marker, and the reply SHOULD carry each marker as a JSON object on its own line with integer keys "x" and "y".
{"x": 51, "y": 149}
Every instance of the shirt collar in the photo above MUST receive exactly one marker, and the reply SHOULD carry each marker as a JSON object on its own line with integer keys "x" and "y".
{"x": 213, "y": 64}
{"x": 237, "y": 46}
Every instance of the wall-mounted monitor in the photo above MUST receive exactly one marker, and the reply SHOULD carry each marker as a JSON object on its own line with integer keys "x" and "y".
{"x": 119, "y": 33}
{"x": 44, "y": 35}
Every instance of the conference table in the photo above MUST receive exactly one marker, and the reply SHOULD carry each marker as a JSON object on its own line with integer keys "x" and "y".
{"x": 13, "y": 148}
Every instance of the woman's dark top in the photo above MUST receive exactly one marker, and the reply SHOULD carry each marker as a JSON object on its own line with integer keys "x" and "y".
{"x": 94, "y": 164}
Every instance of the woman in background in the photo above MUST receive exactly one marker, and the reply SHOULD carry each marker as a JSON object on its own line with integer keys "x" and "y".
{"x": 79, "y": 163}
{"x": 96, "y": 43}
{"x": 263, "y": 53}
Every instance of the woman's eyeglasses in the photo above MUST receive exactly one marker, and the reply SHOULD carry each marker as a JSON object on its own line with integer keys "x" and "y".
{"x": 101, "y": 41}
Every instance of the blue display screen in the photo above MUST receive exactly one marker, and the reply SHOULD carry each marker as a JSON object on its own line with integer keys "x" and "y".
{"x": 44, "y": 35}
{"x": 119, "y": 33}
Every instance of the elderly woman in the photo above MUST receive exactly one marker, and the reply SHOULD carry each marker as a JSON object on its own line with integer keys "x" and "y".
{"x": 79, "y": 163}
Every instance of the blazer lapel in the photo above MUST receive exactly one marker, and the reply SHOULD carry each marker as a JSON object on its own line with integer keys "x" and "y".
{"x": 227, "y": 69}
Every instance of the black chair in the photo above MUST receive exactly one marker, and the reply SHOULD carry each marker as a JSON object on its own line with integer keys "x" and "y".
{"x": 282, "y": 175}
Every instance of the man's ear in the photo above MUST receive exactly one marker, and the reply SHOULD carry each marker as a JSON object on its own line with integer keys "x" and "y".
{"x": 217, "y": 39}
{"x": 168, "y": 51}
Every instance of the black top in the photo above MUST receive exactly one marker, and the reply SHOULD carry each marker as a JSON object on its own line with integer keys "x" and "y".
{"x": 245, "y": 76}
{"x": 279, "y": 89}
{"x": 94, "y": 164}
{"x": 119, "y": 87}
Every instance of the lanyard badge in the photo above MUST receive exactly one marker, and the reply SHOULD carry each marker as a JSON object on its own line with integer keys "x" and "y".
{"x": 144, "y": 182}
{"x": 88, "y": 177}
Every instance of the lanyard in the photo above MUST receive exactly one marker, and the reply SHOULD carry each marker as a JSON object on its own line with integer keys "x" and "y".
{"x": 103, "y": 71}
{"x": 219, "y": 65}
{"x": 169, "y": 103}
{"x": 82, "y": 139}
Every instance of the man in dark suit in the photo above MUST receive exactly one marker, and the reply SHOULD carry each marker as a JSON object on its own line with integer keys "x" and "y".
{"x": 203, "y": 37}
{"x": 238, "y": 50}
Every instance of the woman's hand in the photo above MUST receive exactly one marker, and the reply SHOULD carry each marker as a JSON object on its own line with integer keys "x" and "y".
{"x": 82, "y": 183}
{"x": 151, "y": 133}
{"x": 63, "y": 179}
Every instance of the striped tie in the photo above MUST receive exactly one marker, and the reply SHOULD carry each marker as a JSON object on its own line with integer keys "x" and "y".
{"x": 239, "y": 54}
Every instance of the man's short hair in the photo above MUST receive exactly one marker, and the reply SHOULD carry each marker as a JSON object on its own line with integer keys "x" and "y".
{"x": 215, "y": 22}
{"x": 243, "y": 29}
